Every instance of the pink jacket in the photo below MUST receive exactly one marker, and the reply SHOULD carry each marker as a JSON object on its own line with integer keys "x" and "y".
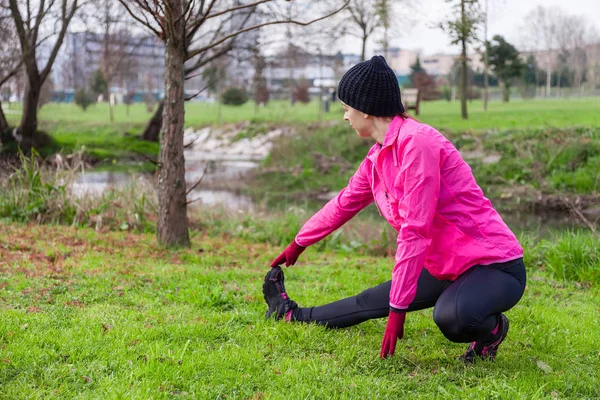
{"x": 427, "y": 192}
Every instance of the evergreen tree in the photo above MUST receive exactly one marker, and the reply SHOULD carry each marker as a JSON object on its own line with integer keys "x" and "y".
{"x": 505, "y": 62}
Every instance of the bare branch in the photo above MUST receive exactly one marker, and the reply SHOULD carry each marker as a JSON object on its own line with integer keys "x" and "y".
{"x": 217, "y": 14}
{"x": 19, "y": 25}
{"x": 574, "y": 209}
{"x": 196, "y": 25}
{"x": 146, "y": 23}
{"x": 203, "y": 61}
{"x": 66, "y": 19}
{"x": 38, "y": 20}
{"x": 197, "y": 93}
{"x": 11, "y": 73}
{"x": 150, "y": 160}
{"x": 199, "y": 180}
{"x": 288, "y": 21}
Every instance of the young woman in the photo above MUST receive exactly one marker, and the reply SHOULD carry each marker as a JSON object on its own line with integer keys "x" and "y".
{"x": 454, "y": 253}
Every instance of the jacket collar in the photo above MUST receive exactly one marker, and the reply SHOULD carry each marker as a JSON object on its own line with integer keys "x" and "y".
{"x": 393, "y": 130}
{"x": 390, "y": 138}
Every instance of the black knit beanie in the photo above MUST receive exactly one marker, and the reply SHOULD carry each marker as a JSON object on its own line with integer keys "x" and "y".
{"x": 371, "y": 87}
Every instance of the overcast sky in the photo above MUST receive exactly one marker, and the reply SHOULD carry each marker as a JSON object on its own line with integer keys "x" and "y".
{"x": 506, "y": 17}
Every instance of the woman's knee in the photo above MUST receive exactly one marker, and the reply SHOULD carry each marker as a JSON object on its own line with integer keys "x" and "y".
{"x": 452, "y": 327}
{"x": 375, "y": 297}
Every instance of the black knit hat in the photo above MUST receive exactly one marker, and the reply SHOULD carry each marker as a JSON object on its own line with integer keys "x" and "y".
{"x": 371, "y": 87}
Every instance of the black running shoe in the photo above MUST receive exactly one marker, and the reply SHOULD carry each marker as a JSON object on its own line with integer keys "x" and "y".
{"x": 486, "y": 351}
{"x": 275, "y": 295}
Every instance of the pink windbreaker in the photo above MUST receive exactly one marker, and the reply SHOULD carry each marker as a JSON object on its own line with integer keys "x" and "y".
{"x": 427, "y": 192}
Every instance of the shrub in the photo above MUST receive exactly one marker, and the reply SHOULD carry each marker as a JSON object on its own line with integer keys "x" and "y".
{"x": 573, "y": 256}
{"x": 234, "y": 97}
{"x": 301, "y": 93}
{"x": 84, "y": 98}
{"x": 36, "y": 193}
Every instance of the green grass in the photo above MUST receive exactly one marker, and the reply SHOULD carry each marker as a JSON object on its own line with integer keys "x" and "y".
{"x": 565, "y": 160}
{"x": 518, "y": 114}
{"x": 198, "y": 114}
{"x": 88, "y": 315}
{"x": 71, "y": 128}
{"x": 440, "y": 114}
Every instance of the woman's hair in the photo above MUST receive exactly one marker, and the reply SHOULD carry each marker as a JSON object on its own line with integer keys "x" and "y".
{"x": 406, "y": 115}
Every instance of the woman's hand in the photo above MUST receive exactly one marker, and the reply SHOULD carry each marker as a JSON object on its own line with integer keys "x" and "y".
{"x": 289, "y": 256}
{"x": 394, "y": 330}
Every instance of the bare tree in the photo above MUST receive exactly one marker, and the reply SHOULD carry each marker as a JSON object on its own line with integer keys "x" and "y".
{"x": 486, "y": 61}
{"x": 110, "y": 25}
{"x": 462, "y": 28}
{"x": 572, "y": 33}
{"x": 541, "y": 26}
{"x": 178, "y": 23}
{"x": 31, "y": 19}
{"x": 364, "y": 15}
{"x": 210, "y": 30}
{"x": 593, "y": 59}
{"x": 384, "y": 9}
{"x": 370, "y": 17}
{"x": 388, "y": 12}
{"x": 10, "y": 56}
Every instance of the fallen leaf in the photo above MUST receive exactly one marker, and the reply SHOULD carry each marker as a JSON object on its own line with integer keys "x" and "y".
{"x": 544, "y": 367}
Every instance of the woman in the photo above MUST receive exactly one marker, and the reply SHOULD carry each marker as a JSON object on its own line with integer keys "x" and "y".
{"x": 454, "y": 253}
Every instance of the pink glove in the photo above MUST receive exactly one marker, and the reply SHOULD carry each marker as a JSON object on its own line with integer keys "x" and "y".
{"x": 290, "y": 255}
{"x": 394, "y": 330}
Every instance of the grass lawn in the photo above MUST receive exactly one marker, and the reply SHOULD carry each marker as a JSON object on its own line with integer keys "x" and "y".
{"x": 71, "y": 128}
{"x": 518, "y": 114}
{"x": 109, "y": 315}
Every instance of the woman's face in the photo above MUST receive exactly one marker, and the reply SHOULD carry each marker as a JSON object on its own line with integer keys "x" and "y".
{"x": 357, "y": 120}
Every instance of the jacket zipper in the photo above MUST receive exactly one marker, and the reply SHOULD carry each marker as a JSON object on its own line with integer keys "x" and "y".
{"x": 374, "y": 197}
{"x": 385, "y": 191}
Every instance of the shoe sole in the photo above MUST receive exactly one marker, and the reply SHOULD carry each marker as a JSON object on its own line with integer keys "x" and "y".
{"x": 471, "y": 358}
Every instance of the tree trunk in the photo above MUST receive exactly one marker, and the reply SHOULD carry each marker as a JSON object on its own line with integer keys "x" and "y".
{"x": 29, "y": 121}
{"x": 110, "y": 109}
{"x": 3, "y": 122}
{"x": 486, "y": 66}
{"x": 506, "y": 96}
{"x": 486, "y": 83}
{"x": 548, "y": 80}
{"x": 463, "y": 94}
{"x": 172, "y": 208}
{"x": 558, "y": 78}
{"x": 152, "y": 131}
{"x": 364, "y": 47}
{"x": 463, "y": 82}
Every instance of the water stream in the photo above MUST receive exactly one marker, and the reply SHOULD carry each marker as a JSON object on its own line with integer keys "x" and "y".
{"x": 222, "y": 164}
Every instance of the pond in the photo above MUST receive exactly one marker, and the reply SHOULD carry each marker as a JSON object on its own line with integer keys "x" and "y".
{"x": 222, "y": 160}
{"x": 218, "y": 188}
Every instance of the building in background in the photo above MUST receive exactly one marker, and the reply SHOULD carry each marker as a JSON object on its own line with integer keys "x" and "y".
{"x": 138, "y": 62}
{"x": 240, "y": 65}
{"x": 293, "y": 66}
{"x": 400, "y": 60}
{"x": 137, "y": 65}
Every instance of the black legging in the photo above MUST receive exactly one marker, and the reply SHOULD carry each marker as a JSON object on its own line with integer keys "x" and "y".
{"x": 465, "y": 310}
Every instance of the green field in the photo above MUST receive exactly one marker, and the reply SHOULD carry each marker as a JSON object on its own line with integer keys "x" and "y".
{"x": 91, "y": 315}
{"x": 109, "y": 143}
{"x": 107, "y": 314}
{"x": 440, "y": 114}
